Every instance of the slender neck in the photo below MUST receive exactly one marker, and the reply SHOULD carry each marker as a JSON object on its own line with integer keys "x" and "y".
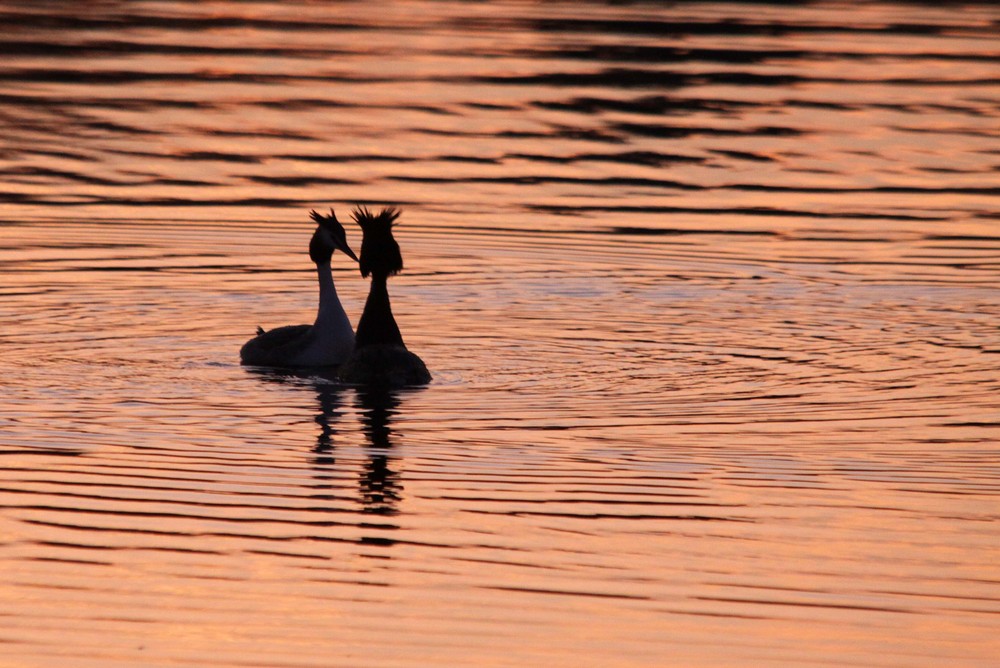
{"x": 377, "y": 326}
{"x": 329, "y": 303}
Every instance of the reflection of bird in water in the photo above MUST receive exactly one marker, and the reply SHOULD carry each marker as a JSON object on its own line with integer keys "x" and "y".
{"x": 379, "y": 485}
{"x": 380, "y": 357}
{"x": 330, "y": 396}
{"x": 329, "y": 340}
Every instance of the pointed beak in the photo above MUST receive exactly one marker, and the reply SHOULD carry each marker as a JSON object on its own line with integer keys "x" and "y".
{"x": 342, "y": 245}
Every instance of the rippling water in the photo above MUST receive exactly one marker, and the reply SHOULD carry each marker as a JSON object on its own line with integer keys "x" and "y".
{"x": 709, "y": 291}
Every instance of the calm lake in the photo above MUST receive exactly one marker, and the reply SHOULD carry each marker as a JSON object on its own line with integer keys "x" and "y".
{"x": 710, "y": 293}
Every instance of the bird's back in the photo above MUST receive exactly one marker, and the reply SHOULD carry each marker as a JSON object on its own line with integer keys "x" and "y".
{"x": 277, "y": 347}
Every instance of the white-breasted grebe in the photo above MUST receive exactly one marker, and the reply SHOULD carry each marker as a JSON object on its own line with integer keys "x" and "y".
{"x": 380, "y": 357}
{"x": 329, "y": 341}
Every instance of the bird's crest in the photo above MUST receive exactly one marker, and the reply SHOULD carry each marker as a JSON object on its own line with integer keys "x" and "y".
{"x": 381, "y": 221}
{"x": 328, "y": 236}
{"x": 324, "y": 221}
{"x": 379, "y": 250}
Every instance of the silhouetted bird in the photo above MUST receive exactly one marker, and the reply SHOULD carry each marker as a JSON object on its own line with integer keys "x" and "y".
{"x": 380, "y": 356}
{"x": 330, "y": 340}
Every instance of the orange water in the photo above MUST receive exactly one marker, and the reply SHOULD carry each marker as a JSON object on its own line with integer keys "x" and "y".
{"x": 709, "y": 292}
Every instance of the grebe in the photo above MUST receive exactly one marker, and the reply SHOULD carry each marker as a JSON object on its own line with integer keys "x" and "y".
{"x": 330, "y": 340}
{"x": 380, "y": 357}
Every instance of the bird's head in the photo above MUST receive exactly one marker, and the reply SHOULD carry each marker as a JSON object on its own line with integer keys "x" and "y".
{"x": 379, "y": 251}
{"x": 329, "y": 236}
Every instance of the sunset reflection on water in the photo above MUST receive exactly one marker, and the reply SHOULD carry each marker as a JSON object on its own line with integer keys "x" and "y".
{"x": 708, "y": 291}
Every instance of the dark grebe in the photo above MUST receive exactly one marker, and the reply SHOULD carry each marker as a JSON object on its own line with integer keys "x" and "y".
{"x": 380, "y": 357}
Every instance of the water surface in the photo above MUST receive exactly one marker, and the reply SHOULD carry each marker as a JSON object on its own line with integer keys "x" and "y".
{"x": 709, "y": 292}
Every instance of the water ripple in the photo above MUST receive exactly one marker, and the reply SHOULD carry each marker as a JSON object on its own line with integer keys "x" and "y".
{"x": 709, "y": 294}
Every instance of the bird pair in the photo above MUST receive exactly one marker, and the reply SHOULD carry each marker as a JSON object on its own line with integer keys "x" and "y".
{"x": 376, "y": 354}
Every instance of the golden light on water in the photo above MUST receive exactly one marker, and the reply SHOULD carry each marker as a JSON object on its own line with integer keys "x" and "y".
{"x": 709, "y": 294}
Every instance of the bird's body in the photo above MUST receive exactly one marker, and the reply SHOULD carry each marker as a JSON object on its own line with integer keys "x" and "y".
{"x": 329, "y": 341}
{"x": 384, "y": 365}
{"x": 380, "y": 357}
